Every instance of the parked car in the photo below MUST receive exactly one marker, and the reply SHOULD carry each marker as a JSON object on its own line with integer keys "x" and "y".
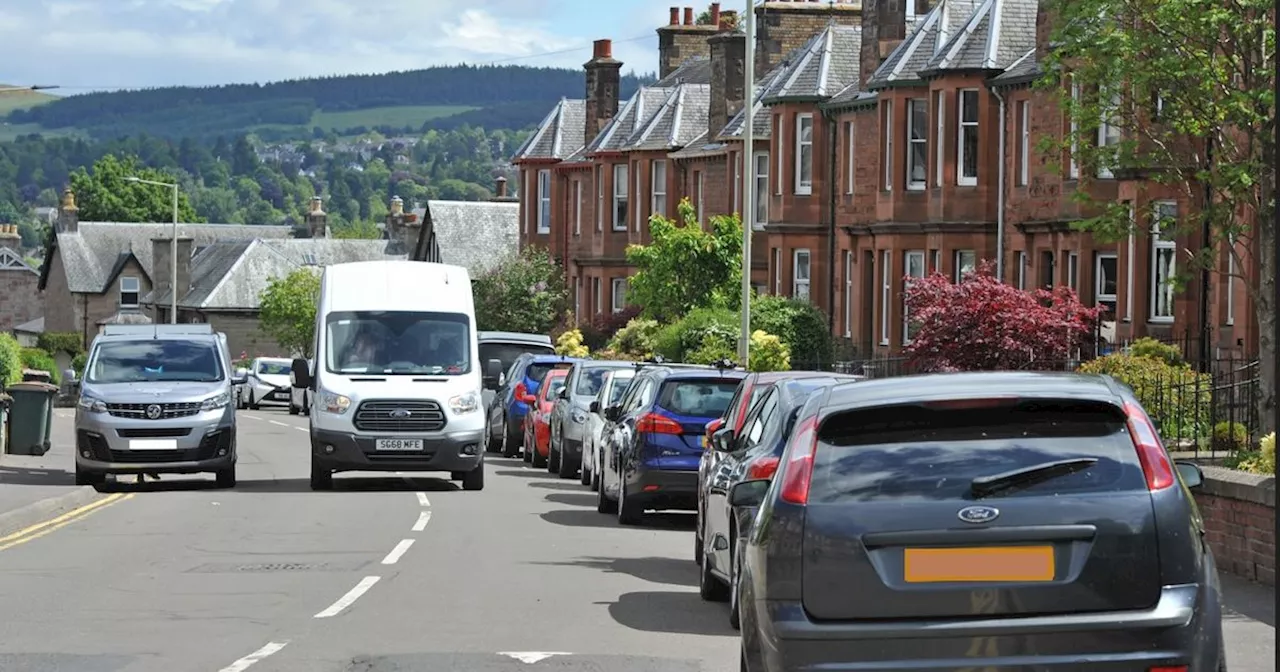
{"x": 1036, "y": 516}
{"x": 749, "y": 454}
{"x": 612, "y": 387}
{"x": 505, "y": 419}
{"x": 569, "y": 416}
{"x": 749, "y": 391}
{"x": 268, "y": 383}
{"x": 504, "y": 347}
{"x": 300, "y": 397}
{"x": 651, "y": 455}
{"x": 537, "y": 423}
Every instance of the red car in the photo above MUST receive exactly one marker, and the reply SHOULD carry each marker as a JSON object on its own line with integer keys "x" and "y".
{"x": 537, "y": 423}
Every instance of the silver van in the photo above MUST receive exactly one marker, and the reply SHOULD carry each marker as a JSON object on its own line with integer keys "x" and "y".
{"x": 157, "y": 399}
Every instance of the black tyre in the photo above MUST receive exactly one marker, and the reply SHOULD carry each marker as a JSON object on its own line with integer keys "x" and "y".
{"x": 226, "y": 478}
{"x": 584, "y": 476}
{"x": 630, "y": 512}
{"x": 709, "y": 587}
{"x": 603, "y": 503}
{"x": 321, "y": 477}
{"x": 293, "y": 410}
{"x": 90, "y": 478}
{"x": 474, "y": 479}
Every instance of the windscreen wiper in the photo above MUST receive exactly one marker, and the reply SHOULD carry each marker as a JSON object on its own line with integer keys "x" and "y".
{"x": 1025, "y": 477}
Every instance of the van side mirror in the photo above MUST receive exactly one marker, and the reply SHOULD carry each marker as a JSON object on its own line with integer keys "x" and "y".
{"x": 722, "y": 440}
{"x": 612, "y": 413}
{"x": 492, "y": 374}
{"x": 594, "y": 407}
{"x": 749, "y": 493}
{"x": 1191, "y": 474}
{"x": 564, "y": 393}
{"x": 301, "y": 373}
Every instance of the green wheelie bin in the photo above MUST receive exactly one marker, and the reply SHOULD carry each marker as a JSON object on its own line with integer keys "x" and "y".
{"x": 30, "y": 417}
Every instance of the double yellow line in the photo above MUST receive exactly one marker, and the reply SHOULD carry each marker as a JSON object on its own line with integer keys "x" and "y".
{"x": 40, "y": 529}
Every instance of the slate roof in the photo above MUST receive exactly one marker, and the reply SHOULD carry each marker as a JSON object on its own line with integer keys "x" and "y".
{"x": 825, "y": 65}
{"x": 95, "y": 253}
{"x": 633, "y": 116}
{"x": 12, "y": 261}
{"x": 700, "y": 147}
{"x": 1023, "y": 71}
{"x": 561, "y": 133}
{"x": 906, "y": 62}
{"x": 681, "y": 119}
{"x": 696, "y": 70}
{"x": 763, "y": 121}
{"x": 475, "y": 234}
{"x": 35, "y": 326}
{"x": 997, "y": 34}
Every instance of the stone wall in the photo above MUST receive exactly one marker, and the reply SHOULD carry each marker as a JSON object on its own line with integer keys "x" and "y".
{"x": 1239, "y": 511}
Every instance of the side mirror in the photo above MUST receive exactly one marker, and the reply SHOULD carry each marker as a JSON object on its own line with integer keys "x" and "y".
{"x": 564, "y": 393}
{"x": 611, "y": 414}
{"x": 301, "y": 372}
{"x": 749, "y": 493}
{"x": 594, "y": 407}
{"x": 242, "y": 372}
{"x": 722, "y": 440}
{"x": 492, "y": 374}
{"x": 239, "y": 380}
{"x": 1191, "y": 474}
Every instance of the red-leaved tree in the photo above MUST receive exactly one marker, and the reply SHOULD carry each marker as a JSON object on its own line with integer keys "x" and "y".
{"x": 982, "y": 324}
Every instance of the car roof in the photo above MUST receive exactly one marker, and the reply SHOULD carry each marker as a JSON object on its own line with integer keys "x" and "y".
{"x": 550, "y": 359}
{"x": 973, "y": 385}
{"x": 709, "y": 372}
{"x": 513, "y": 337}
{"x": 775, "y": 376}
{"x": 604, "y": 364}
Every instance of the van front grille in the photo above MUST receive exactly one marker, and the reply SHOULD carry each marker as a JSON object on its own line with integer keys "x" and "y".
{"x": 399, "y": 416}
{"x": 157, "y": 411}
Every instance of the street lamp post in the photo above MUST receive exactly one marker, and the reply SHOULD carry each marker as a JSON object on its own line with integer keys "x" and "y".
{"x": 173, "y": 247}
{"x": 749, "y": 179}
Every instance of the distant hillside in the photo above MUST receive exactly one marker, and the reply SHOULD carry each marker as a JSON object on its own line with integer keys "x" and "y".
{"x": 511, "y": 97}
{"x": 21, "y": 100}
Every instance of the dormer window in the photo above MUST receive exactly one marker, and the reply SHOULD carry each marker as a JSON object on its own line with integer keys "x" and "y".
{"x": 130, "y": 292}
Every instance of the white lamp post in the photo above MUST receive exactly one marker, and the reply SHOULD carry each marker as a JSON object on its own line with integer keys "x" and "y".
{"x": 173, "y": 246}
{"x": 749, "y": 180}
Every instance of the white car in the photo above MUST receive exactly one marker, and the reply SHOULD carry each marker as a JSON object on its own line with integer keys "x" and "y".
{"x": 612, "y": 386}
{"x": 267, "y": 383}
{"x": 300, "y": 397}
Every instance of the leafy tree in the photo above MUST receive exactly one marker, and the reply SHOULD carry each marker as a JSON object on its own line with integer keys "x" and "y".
{"x": 287, "y": 310}
{"x": 982, "y": 324}
{"x": 686, "y": 266}
{"x": 1190, "y": 86}
{"x": 104, "y": 195}
{"x": 525, "y": 293}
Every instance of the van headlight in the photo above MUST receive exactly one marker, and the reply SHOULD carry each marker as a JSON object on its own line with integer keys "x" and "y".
{"x": 91, "y": 405}
{"x": 331, "y": 402}
{"x": 216, "y": 401}
{"x": 465, "y": 403}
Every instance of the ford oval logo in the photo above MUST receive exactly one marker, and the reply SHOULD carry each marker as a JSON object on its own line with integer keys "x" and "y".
{"x": 400, "y": 414}
{"x": 978, "y": 514}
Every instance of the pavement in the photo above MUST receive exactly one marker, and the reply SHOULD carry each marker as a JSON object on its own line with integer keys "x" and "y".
{"x": 385, "y": 574}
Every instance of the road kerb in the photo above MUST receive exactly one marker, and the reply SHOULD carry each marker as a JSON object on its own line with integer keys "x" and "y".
{"x": 37, "y": 512}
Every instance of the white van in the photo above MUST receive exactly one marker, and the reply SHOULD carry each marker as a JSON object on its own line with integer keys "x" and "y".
{"x": 397, "y": 375}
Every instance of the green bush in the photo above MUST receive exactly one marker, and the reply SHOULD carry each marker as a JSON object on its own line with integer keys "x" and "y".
{"x": 1229, "y": 437}
{"x": 768, "y": 353}
{"x": 1151, "y": 348}
{"x": 39, "y": 360}
{"x": 10, "y": 360}
{"x": 78, "y": 363}
{"x": 638, "y": 338}
{"x": 1178, "y": 399}
{"x": 800, "y": 325}
{"x": 54, "y": 342}
{"x": 570, "y": 344}
{"x": 1264, "y": 460}
{"x": 703, "y": 333}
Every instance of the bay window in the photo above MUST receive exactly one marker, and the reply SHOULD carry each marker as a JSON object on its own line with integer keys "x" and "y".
{"x": 888, "y": 145}
{"x": 940, "y": 124}
{"x": 544, "y": 201}
{"x": 915, "y": 270}
{"x": 804, "y": 154}
{"x": 1164, "y": 252}
{"x": 1108, "y": 137}
{"x": 849, "y": 157}
{"x": 967, "y": 148}
{"x": 1024, "y": 142}
{"x": 1073, "y": 168}
{"x": 659, "y": 188}
{"x": 620, "y": 197}
{"x": 800, "y": 273}
{"x": 761, "y": 194}
{"x": 917, "y": 143}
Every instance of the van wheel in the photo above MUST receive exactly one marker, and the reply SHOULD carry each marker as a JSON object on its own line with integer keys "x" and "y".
{"x": 293, "y": 410}
{"x": 321, "y": 477}
{"x": 474, "y": 479}
{"x": 226, "y": 478}
{"x": 90, "y": 478}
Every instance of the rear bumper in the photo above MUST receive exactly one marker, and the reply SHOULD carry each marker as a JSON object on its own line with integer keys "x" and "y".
{"x": 665, "y": 489}
{"x": 456, "y": 451}
{"x": 1174, "y": 632}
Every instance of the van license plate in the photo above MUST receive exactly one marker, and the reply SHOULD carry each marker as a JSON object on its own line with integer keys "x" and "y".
{"x": 409, "y": 445}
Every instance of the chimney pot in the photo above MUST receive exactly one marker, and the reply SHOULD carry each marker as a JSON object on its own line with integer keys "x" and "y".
{"x": 500, "y": 188}
{"x": 688, "y": 16}
{"x": 675, "y": 16}
{"x": 602, "y": 49}
{"x": 715, "y": 14}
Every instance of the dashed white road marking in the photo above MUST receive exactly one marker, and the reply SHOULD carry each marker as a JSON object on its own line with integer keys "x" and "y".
{"x": 302, "y": 429}
{"x": 398, "y": 552}
{"x": 282, "y": 424}
{"x": 532, "y": 657}
{"x": 423, "y": 519}
{"x": 255, "y": 657}
{"x": 251, "y": 417}
{"x": 352, "y": 595}
{"x": 422, "y": 499}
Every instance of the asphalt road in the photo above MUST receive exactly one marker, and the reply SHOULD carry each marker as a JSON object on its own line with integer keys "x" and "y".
{"x": 386, "y": 574}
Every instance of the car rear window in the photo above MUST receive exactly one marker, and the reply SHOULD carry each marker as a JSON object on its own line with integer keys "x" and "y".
{"x": 916, "y": 453}
{"x": 536, "y": 371}
{"x": 507, "y": 353}
{"x": 619, "y": 388}
{"x": 698, "y": 398}
{"x": 553, "y": 387}
{"x": 589, "y": 381}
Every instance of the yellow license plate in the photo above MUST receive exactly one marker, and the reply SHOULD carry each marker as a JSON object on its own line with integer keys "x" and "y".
{"x": 979, "y": 565}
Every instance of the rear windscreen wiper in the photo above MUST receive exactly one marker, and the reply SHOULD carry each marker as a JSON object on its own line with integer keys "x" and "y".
{"x": 1028, "y": 476}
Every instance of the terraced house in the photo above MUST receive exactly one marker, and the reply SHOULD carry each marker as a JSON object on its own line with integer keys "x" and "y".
{"x": 892, "y": 141}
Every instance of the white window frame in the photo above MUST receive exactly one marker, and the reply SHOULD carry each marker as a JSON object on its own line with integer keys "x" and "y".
{"x": 803, "y": 187}
{"x": 659, "y": 187}
{"x": 958, "y": 259}
{"x": 777, "y": 271}
{"x": 941, "y": 125}
{"x": 1100, "y": 280}
{"x": 1024, "y": 143}
{"x": 125, "y": 282}
{"x": 618, "y": 294}
{"x": 599, "y": 296}
{"x": 780, "y": 130}
{"x": 1073, "y": 168}
{"x": 599, "y": 198}
{"x": 1129, "y": 273}
{"x": 620, "y": 198}
{"x": 796, "y": 281}
{"x": 1108, "y": 134}
{"x": 762, "y": 191}
{"x": 577, "y": 207}
{"x": 937, "y": 261}
{"x": 1020, "y": 273}
{"x": 1231, "y": 281}
{"x": 848, "y": 293}
{"x": 849, "y": 157}
{"x": 917, "y": 106}
{"x": 737, "y": 187}
{"x": 1073, "y": 271}
{"x": 1159, "y": 245}
{"x": 639, "y": 192}
{"x": 961, "y": 127}
{"x": 577, "y": 298}
{"x": 888, "y": 145}
{"x": 544, "y": 202}
{"x": 700, "y": 179}
{"x": 886, "y": 293}
{"x": 906, "y": 282}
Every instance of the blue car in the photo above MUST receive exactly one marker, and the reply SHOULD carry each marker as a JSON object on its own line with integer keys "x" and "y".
{"x": 651, "y": 456}
{"x": 519, "y": 386}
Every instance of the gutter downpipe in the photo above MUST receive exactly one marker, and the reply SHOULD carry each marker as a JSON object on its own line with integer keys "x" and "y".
{"x": 831, "y": 133}
{"x": 1000, "y": 190}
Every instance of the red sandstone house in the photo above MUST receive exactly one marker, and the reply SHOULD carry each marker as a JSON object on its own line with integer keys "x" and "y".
{"x": 879, "y": 158}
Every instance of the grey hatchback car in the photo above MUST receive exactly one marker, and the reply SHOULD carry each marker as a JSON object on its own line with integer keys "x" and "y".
{"x": 982, "y": 521}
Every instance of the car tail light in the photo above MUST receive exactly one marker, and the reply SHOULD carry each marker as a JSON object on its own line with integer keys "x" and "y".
{"x": 762, "y": 468}
{"x": 1155, "y": 461}
{"x": 652, "y": 423}
{"x": 798, "y": 471}
{"x": 1168, "y": 668}
{"x": 521, "y": 391}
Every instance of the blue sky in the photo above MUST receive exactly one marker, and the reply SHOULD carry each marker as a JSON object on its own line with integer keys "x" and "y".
{"x": 85, "y": 45}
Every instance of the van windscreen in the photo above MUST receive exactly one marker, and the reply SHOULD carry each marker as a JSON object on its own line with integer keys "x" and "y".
{"x": 398, "y": 343}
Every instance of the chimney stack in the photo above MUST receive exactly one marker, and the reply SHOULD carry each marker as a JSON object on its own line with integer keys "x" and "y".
{"x": 681, "y": 42}
{"x": 728, "y": 79}
{"x": 500, "y": 187}
{"x": 604, "y": 79}
{"x": 675, "y": 16}
{"x": 785, "y": 26}
{"x": 317, "y": 219}
{"x": 68, "y": 213}
{"x": 160, "y": 269}
{"x": 715, "y": 15}
{"x": 688, "y": 16}
{"x": 884, "y": 26}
